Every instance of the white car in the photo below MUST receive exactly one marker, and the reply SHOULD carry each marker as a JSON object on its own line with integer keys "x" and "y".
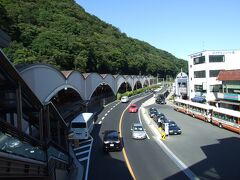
{"x": 124, "y": 99}
{"x": 138, "y": 132}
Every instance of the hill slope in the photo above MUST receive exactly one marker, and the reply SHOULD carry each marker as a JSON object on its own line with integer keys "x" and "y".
{"x": 61, "y": 33}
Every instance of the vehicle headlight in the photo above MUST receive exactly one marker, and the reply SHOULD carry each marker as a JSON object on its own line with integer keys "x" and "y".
{"x": 179, "y": 130}
{"x": 106, "y": 142}
{"x": 171, "y": 131}
{"x": 117, "y": 141}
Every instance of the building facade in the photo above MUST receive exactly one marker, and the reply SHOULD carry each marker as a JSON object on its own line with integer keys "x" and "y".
{"x": 181, "y": 85}
{"x": 204, "y": 68}
{"x": 229, "y": 97}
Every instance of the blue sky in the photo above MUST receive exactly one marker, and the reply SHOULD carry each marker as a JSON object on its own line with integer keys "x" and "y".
{"x": 181, "y": 27}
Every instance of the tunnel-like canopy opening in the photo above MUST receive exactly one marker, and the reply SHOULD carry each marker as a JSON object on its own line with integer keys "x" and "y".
{"x": 146, "y": 83}
{"x": 138, "y": 85}
{"x": 102, "y": 95}
{"x": 125, "y": 86}
{"x": 69, "y": 103}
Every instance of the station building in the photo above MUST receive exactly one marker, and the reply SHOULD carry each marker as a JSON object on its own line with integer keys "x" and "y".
{"x": 204, "y": 68}
{"x": 181, "y": 85}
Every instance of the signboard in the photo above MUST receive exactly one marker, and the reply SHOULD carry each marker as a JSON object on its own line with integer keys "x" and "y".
{"x": 232, "y": 96}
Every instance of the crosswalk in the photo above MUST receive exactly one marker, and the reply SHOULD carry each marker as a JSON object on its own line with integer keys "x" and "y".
{"x": 83, "y": 153}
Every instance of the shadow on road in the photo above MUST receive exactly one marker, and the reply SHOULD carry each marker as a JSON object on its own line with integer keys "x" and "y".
{"x": 222, "y": 161}
{"x": 104, "y": 165}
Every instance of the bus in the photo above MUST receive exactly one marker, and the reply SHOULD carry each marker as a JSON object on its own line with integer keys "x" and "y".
{"x": 226, "y": 118}
{"x": 181, "y": 105}
{"x": 200, "y": 111}
{"x": 82, "y": 126}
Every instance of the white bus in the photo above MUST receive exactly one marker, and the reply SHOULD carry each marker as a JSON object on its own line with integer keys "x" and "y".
{"x": 82, "y": 126}
{"x": 226, "y": 118}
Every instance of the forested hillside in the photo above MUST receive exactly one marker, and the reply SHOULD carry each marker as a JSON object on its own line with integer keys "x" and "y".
{"x": 62, "y": 34}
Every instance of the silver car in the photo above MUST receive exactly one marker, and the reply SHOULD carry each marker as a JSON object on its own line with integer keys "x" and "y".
{"x": 138, "y": 132}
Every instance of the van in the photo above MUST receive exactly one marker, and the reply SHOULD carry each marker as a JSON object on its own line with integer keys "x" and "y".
{"x": 82, "y": 126}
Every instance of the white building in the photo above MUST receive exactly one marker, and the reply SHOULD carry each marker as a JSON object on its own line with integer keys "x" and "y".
{"x": 204, "y": 68}
{"x": 181, "y": 85}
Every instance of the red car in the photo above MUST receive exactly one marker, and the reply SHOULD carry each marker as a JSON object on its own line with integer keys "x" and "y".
{"x": 133, "y": 108}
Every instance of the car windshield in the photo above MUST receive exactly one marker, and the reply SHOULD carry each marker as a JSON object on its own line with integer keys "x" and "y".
{"x": 172, "y": 124}
{"x": 111, "y": 136}
{"x": 137, "y": 128}
{"x": 133, "y": 106}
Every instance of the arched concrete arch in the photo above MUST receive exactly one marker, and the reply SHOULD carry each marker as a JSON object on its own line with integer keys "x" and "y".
{"x": 93, "y": 80}
{"x": 120, "y": 80}
{"x": 43, "y": 79}
{"x": 76, "y": 80}
{"x": 130, "y": 80}
{"x": 53, "y": 93}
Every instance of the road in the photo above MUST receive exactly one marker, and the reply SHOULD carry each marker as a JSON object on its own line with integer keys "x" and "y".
{"x": 146, "y": 157}
{"x": 208, "y": 151}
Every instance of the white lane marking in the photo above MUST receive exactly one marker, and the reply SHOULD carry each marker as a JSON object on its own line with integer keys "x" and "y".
{"x": 100, "y": 122}
{"x": 106, "y": 114}
{"x": 111, "y": 108}
{"x": 83, "y": 159}
{"x": 109, "y": 111}
{"x": 82, "y": 152}
{"x": 88, "y": 159}
{"x": 139, "y": 117}
{"x": 176, "y": 160}
{"x": 88, "y": 145}
{"x": 103, "y": 118}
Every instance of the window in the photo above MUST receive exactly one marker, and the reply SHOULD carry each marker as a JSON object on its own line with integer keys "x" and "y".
{"x": 199, "y": 74}
{"x": 79, "y": 125}
{"x": 216, "y": 88}
{"x": 214, "y": 73}
{"x": 216, "y": 58}
{"x": 198, "y": 88}
{"x": 199, "y": 60}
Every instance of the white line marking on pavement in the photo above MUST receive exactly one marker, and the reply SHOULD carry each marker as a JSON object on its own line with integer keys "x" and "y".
{"x": 103, "y": 118}
{"x": 111, "y": 108}
{"x": 139, "y": 117}
{"x": 100, "y": 122}
{"x": 83, "y": 159}
{"x": 88, "y": 145}
{"x": 109, "y": 111}
{"x": 176, "y": 160}
{"x": 82, "y": 152}
{"x": 89, "y": 156}
{"x": 106, "y": 114}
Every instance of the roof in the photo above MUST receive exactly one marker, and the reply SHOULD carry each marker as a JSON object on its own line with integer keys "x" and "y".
{"x": 83, "y": 117}
{"x": 229, "y": 75}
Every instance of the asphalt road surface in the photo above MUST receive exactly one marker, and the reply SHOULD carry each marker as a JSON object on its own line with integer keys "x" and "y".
{"x": 147, "y": 159}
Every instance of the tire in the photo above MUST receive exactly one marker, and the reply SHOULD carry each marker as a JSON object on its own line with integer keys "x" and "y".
{"x": 220, "y": 125}
{"x": 193, "y": 116}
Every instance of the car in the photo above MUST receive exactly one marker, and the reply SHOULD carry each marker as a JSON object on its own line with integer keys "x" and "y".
{"x": 138, "y": 131}
{"x": 160, "y": 100}
{"x": 112, "y": 141}
{"x": 199, "y": 99}
{"x": 133, "y": 108}
{"x": 158, "y": 117}
{"x": 152, "y": 112}
{"x": 124, "y": 99}
{"x": 173, "y": 128}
